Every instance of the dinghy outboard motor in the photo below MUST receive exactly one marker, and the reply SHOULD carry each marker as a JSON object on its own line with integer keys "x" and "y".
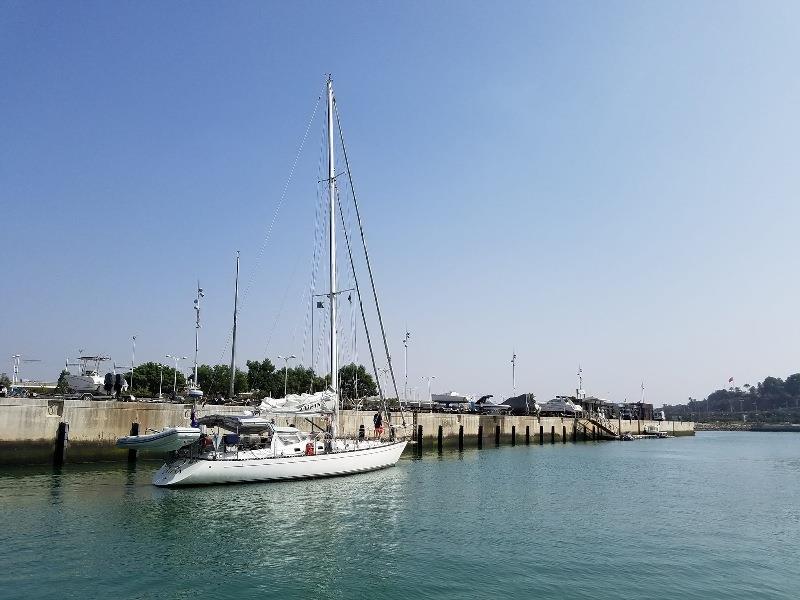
{"x": 108, "y": 383}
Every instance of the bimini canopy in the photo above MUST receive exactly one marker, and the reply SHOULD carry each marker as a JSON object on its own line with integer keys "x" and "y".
{"x": 238, "y": 423}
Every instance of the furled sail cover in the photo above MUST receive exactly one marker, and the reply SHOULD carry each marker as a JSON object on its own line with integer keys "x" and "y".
{"x": 301, "y": 404}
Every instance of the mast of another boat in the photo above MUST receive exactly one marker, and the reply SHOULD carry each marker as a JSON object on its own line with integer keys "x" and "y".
{"x": 233, "y": 341}
{"x": 197, "y": 329}
{"x": 332, "y": 236}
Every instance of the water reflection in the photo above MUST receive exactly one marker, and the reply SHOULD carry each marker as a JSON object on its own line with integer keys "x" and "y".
{"x": 427, "y": 528}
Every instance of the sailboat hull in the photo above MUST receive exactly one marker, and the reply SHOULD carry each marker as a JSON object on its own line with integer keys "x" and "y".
{"x": 224, "y": 470}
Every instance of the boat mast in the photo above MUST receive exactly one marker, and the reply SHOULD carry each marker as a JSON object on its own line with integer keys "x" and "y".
{"x": 233, "y": 341}
{"x": 332, "y": 236}
{"x": 197, "y": 329}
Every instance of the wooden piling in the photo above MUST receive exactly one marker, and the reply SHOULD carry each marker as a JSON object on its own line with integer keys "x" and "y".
{"x": 132, "y": 452}
{"x": 564, "y": 434}
{"x": 541, "y": 434}
{"x": 527, "y": 435}
{"x": 460, "y": 438}
{"x": 552, "y": 434}
{"x": 480, "y": 436}
{"x": 439, "y": 439}
{"x": 513, "y": 435}
{"x": 497, "y": 435}
{"x": 62, "y": 441}
{"x": 419, "y": 440}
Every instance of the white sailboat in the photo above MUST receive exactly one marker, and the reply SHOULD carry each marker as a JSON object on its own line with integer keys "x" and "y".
{"x": 257, "y": 450}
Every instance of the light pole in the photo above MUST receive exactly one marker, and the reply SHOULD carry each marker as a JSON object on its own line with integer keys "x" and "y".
{"x": 15, "y": 368}
{"x": 430, "y": 397}
{"x": 513, "y": 373}
{"x": 286, "y": 360}
{"x": 385, "y": 379}
{"x": 405, "y": 365}
{"x": 175, "y": 377}
{"x": 133, "y": 361}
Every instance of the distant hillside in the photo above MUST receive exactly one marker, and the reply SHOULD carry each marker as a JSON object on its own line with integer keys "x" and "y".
{"x": 773, "y": 399}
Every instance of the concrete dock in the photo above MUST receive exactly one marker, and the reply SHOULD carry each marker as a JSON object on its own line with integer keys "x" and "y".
{"x": 53, "y": 430}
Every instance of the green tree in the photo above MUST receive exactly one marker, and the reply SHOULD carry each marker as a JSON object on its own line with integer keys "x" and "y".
{"x": 147, "y": 378}
{"x": 261, "y": 377}
{"x": 299, "y": 380}
{"x": 792, "y": 386}
{"x": 215, "y": 381}
{"x": 355, "y": 382}
{"x": 61, "y": 384}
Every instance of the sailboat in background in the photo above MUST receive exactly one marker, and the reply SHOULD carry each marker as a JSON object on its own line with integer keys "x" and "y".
{"x": 256, "y": 449}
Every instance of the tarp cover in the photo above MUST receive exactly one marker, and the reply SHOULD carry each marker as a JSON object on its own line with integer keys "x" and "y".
{"x": 301, "y": 404}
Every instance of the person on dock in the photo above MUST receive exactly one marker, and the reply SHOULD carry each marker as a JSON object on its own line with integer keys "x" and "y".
{"x": 377, "y": 420}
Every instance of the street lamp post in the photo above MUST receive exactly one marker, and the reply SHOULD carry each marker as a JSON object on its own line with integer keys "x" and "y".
{"x": 133, "y": 361}
{"x": 405, "y": 365}
{"x": 514, "y": 373}
{"x": 430, "y": 397}
{"x": 286, "y": 360}
{"x": 175, "y": 374}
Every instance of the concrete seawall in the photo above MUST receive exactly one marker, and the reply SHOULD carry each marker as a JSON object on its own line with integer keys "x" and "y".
{"x": 514, "y": 429}
{"x": 28, "y": 427}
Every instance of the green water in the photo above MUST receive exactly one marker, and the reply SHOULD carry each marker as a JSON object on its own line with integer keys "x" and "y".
{"x": 714, "y": 516}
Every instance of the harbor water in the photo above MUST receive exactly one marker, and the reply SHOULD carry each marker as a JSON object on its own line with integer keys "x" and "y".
{"x": 710, "y": 516}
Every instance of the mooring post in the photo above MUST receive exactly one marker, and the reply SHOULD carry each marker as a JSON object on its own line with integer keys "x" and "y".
{"x": 513, "y": 435}
{"x": 439, "y": 439}
{"x": 527, "y": 435}
{"x": 132, "y": 452}
{"x": 575, "y": 431}
{"x": 62, "y": 440}
{"x": 460, "y": 438}
{"x": 585, "y": 434}
{"x": 552, "y": 434}
{"x": 480, "y": 436}
{"x": 594, "y": 433}
{"x": 497, "y": 435}
{"x": 564, "y": 435}
{"x": 541, "y": 435}
{"x": 419, "y": 440}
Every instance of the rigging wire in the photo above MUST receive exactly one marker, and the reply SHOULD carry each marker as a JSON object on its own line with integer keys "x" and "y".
{"x": 361, "y": 305}
{"x": 315, "y": 259}
{"x": 366, "y": 253}
{"x": 268, "y": 233}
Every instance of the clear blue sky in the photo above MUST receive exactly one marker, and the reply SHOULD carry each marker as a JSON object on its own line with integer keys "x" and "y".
{"x": 611, "y": 184}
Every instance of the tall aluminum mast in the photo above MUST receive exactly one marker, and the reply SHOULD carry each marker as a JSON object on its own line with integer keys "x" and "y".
{"x": 332, "y": 234}
{"x": 233, "y": 341}
{"x": 197, "y": 329}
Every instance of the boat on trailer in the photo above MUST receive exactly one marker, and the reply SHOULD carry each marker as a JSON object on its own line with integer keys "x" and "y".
{"x": 256, "y": 449}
